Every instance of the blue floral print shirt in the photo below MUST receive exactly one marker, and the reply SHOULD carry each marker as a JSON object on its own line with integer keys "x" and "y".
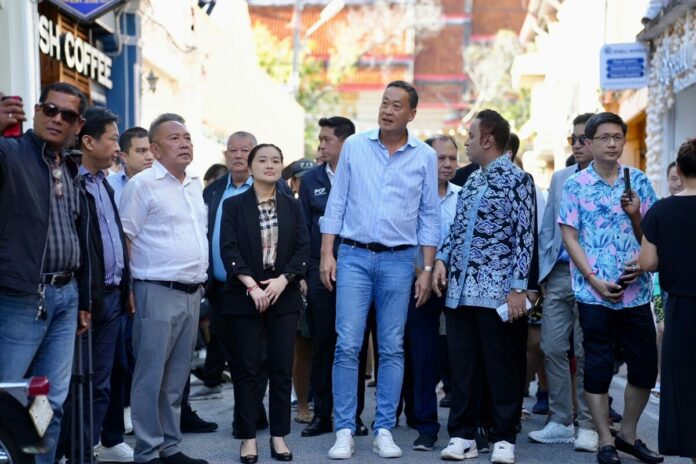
{"x": 593, "y": 207}
{"x": 488, "y": 250}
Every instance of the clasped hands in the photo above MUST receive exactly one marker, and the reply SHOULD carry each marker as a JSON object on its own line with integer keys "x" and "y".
{"x": 265, "y": 297}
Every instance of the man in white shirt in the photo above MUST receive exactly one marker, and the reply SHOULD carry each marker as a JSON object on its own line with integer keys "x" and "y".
{"x": 164, "y": 218}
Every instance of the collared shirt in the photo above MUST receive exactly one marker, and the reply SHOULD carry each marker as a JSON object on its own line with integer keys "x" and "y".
{"x": 165, "y": 220}
{"x": 377, "y": 198}
{"x": 117, "y": 181}
{"x": 563, "y": 256}
{"x": 268, "y": 223}
{"x": 108, "y": 226}
{"x": 593, "y": 207}
{"x": 488, "y": 250}
{"x": 63, "y": 243}
{"x": 330, "y": 173}
{"x": 218, "y": 268}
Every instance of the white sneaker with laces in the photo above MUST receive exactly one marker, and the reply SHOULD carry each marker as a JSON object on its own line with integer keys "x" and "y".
{"x": 553, "y": 432}
{"x": 587, "y": 440}
{"x": 119, "y": 453}
{"x": 344, "y": 446}
{"x": 127, "y": 422}
{"x": 503, "y": 452}
{"x": 459, "y": 449}
{"x": 384, "y": 445}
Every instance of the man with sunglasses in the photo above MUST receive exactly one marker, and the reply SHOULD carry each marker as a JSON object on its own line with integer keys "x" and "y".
{"x": 600, "y": 226}
{"x": 561, "y": 318}
{"x": 40, "y": 250}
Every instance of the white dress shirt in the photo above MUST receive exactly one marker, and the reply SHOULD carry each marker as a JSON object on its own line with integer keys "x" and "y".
{"x": 165, "y": 220}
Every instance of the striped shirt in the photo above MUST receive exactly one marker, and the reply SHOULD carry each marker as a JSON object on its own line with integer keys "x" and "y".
{"x": 63, "y": 244}
{"x": 378, "y": 198}
{"x": 268, "y": 222}
{"x": 108, "y": 226}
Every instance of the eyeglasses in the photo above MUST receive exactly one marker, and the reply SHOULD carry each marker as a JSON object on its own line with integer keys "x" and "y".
{"x": 572, "y": 139}
{"x": 50, "y": 110}
{"x": 617, "y": 138}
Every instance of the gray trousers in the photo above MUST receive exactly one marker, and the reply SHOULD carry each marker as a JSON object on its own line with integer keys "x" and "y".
{"x": 164, "y": 336}
{"x": 561, "y": 319}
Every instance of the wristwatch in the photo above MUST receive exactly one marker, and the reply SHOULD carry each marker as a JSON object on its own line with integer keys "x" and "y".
{"x": 518, "y": 290}
{"x": 428, "y": 268}
{"x": 290, "y": 276}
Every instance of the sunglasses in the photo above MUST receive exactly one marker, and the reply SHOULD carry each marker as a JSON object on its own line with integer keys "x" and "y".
{"x": 50, "y": 110}
{"x": 572, "y": 139}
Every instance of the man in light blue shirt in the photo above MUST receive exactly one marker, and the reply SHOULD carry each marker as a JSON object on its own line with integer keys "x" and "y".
{"x": 383, "y": 205}
{"x": 423, "y": 351}
{"x": 135, "y": 155}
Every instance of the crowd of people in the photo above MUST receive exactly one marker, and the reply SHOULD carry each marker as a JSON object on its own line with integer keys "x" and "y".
{"x": 470, "y": 277}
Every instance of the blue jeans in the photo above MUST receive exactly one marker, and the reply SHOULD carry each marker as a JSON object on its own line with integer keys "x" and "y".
{"x": 363, "y": 276}
{"x": 30, "y": 347}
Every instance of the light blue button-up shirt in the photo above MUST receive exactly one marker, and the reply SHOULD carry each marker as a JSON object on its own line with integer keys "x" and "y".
{"x": 218, "y": 268}
{"x": 117, "y": 182}
{"x": 377, "y": 198}
{"x": 448, "y": 209}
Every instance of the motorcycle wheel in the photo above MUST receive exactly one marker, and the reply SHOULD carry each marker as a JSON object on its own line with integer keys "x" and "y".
{"x": 10, "y": 452}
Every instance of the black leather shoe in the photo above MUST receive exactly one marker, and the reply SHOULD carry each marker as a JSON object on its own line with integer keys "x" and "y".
{"x": 318, "y": 426}
{"x": 360, "y": 429}
{"x": 607, "y": 455}
{"x": 638, "y": 450}
{"x": 249, "y": 458}
{"x": 154, "y": 461}
{"x": 181, "y": 458}
{"x": 191, "y": 423}
{"x": 287, "y": 456}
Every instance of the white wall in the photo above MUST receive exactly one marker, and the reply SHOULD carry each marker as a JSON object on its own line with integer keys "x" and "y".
{"x": 210, "y": 75}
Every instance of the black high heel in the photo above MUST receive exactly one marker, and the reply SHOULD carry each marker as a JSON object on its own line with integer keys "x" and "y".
{"x": 279, "y": 456}
{"x": 249, "y": 458}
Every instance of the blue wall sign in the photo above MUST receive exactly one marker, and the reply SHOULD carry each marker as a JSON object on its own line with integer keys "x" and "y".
{"x": 86, "y": 10}
{"x": 623, "y": 66}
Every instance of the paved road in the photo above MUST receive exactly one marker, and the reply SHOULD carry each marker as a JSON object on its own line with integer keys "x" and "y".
{"x": 220, "y": 447}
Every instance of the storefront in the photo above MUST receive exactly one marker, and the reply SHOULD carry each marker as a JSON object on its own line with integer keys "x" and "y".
{"x": 672, "y": 88}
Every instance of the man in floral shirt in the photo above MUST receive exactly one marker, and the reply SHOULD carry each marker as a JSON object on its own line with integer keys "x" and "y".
{"x": 600, "y": 224}
{"x": 489, "y": 254}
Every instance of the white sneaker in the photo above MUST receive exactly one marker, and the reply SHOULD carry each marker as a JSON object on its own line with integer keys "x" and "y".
{"x": 503, "y": 452}
{"x": 459, "y": 449}
{"x": 344, "y": 446}
{"x": 206, "y": 393}
{"x": 553, "y": 432}
{"x": 127, "y": 422}
{"x": 119, "y": 453}
{"x": 384, "y": 445}
{"x": 97, "y": 448}
{"x": 587, "y": 440}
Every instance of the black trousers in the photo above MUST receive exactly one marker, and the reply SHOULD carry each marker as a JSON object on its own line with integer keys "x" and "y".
{"x": 474, "y": 336}
{"x": 243, "y": 338}
{"x": 321, "y": 315}
{"x": 211, "y": 372}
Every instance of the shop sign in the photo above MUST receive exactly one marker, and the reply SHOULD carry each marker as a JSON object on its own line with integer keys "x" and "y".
{"x": 77, "y": 54}
{"x": 86, "y": 10}
{"x": 623, "y": 66}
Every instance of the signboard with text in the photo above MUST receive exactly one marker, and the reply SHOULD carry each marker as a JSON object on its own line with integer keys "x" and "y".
{"x": 86, "y": 10}
{"x": 623, "y": 66}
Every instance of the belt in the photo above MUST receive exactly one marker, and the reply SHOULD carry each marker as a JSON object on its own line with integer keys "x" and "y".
{"x": 374, "y": 247}
{"x": 187, "y": 288}
{"x": 57, "y": 279}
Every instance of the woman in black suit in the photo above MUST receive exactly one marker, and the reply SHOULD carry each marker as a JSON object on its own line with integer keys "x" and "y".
{"x": 265, "y": 248}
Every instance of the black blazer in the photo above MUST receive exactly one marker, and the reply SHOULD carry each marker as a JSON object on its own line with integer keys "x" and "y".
{"x": 212, "y": 196}
{"x": 240, "y": 247}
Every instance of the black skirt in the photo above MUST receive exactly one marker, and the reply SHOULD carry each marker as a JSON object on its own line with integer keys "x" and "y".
{"x": 677, "y": 429}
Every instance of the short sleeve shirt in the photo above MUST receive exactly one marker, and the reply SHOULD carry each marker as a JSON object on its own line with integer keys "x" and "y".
{"x": 593, "y": 207}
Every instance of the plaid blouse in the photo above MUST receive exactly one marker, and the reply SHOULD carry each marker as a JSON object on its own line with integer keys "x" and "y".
{"x": 268, "y": 222}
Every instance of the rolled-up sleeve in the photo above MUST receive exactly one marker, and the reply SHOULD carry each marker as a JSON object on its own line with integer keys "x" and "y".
{"x": 429, "y": 209}
{"x": 332, "y": 220}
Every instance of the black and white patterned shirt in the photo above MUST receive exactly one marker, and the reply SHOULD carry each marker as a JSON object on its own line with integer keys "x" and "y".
{"x": 63, "y": 245}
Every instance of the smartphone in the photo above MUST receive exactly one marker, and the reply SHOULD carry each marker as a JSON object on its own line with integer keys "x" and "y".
{"x": 15, "y": 130}
{"x": 621, "y": 283}
{"x": 627, "y": 183}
